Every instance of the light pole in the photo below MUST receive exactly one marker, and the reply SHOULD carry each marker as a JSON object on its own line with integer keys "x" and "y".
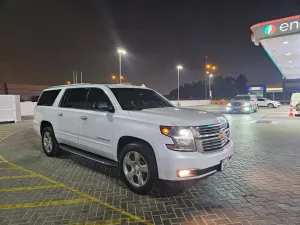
{"x": 209, "y": 69}
{"x": 209, "y": 86}
{"x": 179, "y": 67}
{"x": 121, "y": 52}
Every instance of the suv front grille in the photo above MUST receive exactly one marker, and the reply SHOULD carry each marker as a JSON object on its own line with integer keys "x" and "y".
{"x": 214, "y": 137}
{"x": 237, "y": 104}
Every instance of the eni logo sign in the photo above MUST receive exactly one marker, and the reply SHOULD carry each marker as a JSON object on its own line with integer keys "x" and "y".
{"x": 270, "y": 29}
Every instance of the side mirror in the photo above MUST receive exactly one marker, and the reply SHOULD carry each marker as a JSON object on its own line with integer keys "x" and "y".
{"x": 103, "y": 106}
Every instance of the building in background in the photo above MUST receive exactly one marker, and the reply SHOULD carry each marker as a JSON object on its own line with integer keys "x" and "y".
{"x": 258, "y": 90}
{"x": 274, "y": 92}
{"x": 271, "y": 91}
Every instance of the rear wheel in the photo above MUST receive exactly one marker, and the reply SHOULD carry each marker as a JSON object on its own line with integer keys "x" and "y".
{"x": 49, "y": 142}
{"x": 138, "y": 167}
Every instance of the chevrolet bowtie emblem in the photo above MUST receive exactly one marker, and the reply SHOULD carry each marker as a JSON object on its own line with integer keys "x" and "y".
{"x": 222, "y": 135}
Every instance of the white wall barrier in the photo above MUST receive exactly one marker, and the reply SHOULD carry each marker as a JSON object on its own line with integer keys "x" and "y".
{"x": 27, "y": 108}
{"x": 185, "y": 103}
{"x": 10, "y": 110}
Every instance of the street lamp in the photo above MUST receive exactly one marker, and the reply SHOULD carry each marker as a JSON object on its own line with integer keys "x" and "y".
{"x": 121, "y": 52}
{"x": 209, "y": 85}
{"x": 209, "y": 69}
{"x": 179, "y": 67}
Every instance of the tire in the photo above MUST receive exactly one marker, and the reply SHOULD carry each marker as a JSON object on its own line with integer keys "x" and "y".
{"x": 141, "y": 182}
{"x": 49, "y": 142}
{"x": 271, "y": 105}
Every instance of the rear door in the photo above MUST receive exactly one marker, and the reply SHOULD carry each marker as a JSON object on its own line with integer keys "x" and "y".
{"x": 44, "y": 109}
{"x": 96, "y": 124}
{"x": 68, "y": 115}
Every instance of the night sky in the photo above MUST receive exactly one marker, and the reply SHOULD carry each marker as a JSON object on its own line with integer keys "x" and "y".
{"x": 43, "y": 41}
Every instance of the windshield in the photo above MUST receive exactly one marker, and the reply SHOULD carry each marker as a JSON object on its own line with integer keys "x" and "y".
{"x": 242, "y": 97}
{"x": 139, "y": 99}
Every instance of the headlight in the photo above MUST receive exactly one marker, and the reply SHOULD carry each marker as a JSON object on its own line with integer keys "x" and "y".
{"x": 229, "y": 104}
{"x": 182, "y": 137}
{"x": 246, "y": 104}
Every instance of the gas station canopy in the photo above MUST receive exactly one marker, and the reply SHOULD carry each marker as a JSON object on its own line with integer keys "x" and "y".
{"x": 281, "y": 40}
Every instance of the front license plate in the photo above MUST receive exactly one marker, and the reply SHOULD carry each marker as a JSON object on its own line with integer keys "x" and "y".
{"x": 225, "y": 163}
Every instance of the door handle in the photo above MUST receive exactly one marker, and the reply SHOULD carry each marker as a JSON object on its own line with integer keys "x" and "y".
{"x": 83, "y": 117}
{"x": 60, "y": 114}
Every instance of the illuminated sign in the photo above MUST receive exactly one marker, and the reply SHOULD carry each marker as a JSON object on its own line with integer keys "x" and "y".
{"x": 274, "y": 89}
{"x": 261, "y": 88}
{"x": 270, "y": 29}
{"x": 275, "y": 28}
{"x": 284, "y": 27}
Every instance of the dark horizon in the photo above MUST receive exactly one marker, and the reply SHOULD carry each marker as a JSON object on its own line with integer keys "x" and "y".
{"x": 42, "y": 43}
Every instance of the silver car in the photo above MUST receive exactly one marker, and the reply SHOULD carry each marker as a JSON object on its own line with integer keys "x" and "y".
{"x": 243, "y": 104}
{"x": 265, "y": 102}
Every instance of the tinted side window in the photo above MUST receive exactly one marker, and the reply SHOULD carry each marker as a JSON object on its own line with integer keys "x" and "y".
{"x": 260, "y": 99}
{"x": 96, "y": 96}
{"x": 48, "y": 97}
{"x": 74, "y": 98}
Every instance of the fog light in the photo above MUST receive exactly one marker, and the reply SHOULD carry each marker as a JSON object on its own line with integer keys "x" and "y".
{"x": 183, "y": 173}
{"x": 227, "y": 108}
{"x": 246, "y": 108}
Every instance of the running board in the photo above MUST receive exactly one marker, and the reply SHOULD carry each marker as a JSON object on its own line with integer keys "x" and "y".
{"x": 88, "y": 155}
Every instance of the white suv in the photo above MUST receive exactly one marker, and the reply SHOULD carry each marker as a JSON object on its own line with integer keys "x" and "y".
{"x": 135, "y": 129}
{"x": 265, "y": 102}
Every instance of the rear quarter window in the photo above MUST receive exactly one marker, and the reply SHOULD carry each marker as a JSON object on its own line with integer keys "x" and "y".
{"x": 48, "y": 97}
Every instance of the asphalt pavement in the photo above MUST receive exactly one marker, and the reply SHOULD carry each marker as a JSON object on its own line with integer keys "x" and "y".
{"x": 261, "y": 186}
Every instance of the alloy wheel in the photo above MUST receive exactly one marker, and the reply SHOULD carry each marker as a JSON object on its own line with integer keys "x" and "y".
{"x": 135, "y": 169}
{"x": 47, "y": 142}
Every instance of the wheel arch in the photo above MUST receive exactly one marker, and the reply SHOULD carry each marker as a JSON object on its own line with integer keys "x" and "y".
{"x": 44, "y": 124}
{"x": 125, "y": 140}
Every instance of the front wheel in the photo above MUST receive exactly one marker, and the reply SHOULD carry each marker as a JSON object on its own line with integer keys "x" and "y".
{"x": 271, "y": 105}
{"x": 138, "y": 167}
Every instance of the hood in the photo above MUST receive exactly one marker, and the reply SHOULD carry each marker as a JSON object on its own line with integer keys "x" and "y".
{"x": 178, "y": 116}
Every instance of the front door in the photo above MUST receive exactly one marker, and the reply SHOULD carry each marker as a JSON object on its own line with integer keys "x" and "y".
{"x": 96, "y": 124}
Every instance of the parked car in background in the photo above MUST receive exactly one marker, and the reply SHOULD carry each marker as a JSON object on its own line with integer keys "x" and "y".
{"x": 265, "y": 102}
{"x": 243, "y": 104}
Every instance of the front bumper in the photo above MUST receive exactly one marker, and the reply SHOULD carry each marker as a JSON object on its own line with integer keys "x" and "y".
{"x": 202, "y": 164}
{"x": 242, "y": 109}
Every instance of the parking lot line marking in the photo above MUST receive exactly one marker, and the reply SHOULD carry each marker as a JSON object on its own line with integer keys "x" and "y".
{"x": 105, "y": 222}
{"x": 38, "y": 204}
{"x": 8, "y": 168}
{"x": 14, "y": 132}
{"x": 17, "y": 177}
{"x": 29, "y": 188}
{"x": 89, "y": 197}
